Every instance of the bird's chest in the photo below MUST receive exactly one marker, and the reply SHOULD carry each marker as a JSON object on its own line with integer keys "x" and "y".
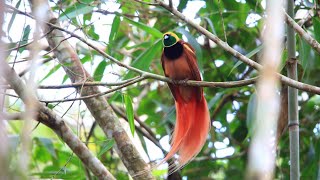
{"x": 178, "y": 69}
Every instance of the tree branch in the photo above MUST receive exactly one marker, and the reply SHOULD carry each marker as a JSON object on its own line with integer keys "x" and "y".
{"x": 84, "y": 97}
{"x": 227, "y": 84}
{"x": 53, "y": 121}
{"x": 222, "y": 102}
{"x": 209, "y": 158}
{"x": 98, "y": 106}
{"x": 226, "y": 47}
{"x": 140, "y": 128}
{"x": 306, "y": 36}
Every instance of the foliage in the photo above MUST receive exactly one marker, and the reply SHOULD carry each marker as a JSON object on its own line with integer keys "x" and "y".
{"x": 131, "y": 32}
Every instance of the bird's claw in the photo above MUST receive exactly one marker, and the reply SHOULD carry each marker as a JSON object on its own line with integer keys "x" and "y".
{"x": 184, "y": 81}
{"x": 180, "y": 82}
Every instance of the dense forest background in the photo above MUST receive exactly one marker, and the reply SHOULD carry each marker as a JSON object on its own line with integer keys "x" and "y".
{"x": 64, "y": 121}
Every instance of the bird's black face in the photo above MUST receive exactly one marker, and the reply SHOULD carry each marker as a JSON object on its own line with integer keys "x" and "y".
{"x": 169, "y": 39}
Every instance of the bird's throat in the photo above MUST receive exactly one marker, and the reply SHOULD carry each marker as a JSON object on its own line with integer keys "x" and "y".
{"x": 173, "y": 52}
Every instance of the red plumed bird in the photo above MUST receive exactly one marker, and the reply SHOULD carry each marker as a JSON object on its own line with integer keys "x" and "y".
{"x": 192, "y": 115}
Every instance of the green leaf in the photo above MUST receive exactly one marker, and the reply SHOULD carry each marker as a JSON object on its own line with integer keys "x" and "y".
{"x": 114, "y": 28}
{"x": 316, "y": 27}
{"x": 47, "y": 143}
{"x": 13, "y": 16}
{"x": 50, "y": 106}
{"x": 53, "y": 70}
{"x": 65, "y": 77}
{"x": 152, "y": 31}
{"x": 75, "y": 10}
{"x": 214, "y": 100}
{"x": 115, "y": 97}
{"x": 144, "y": 60}
{"x": 25, "y": 37}
{"x": 113, "y": 33}
{"x": 143, "y": 143}
{"x": 182, "y": 5}
{"x": 86, "y": 58}
{"x": 106, "y": 146}
{"x": 129, "y": 112}
{"x": 92, "y": 33}
{"x": 305, "y": 56}
{"x": 249, "y": 55}
{"x": 98, "y": 73}
{"x": 304, "y": 53}
{"x": 211, "y": 25}
{"x": 141, "y": 45}
{"x": 240, "y": 132}
{"x": 313, "y": 102}
{"x": 251, "y": 112}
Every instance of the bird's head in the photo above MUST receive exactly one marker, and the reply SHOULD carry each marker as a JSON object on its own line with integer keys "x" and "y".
{"x": 169, "y": 39}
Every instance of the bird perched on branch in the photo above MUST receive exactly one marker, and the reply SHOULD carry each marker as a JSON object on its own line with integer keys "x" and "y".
{"x": 192, "y": 115}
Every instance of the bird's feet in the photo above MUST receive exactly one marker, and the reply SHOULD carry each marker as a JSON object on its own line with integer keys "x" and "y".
{"x": 180, "y": 81}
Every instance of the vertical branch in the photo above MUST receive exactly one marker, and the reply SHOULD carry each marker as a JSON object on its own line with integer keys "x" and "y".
{"x": 293, "y": 122}
{"x": 262, "y": 148}
{"x": 3, "y": 133}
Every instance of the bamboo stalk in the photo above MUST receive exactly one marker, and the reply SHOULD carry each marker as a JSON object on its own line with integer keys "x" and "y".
{"x": 293, "y": 122}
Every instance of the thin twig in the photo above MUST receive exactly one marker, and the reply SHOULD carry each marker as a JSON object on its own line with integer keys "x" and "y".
{"x": 221, "y": 103}
{"x": 76, "y": 85}
{"x": 96, "y": 95}
{"x": 26, "y": 44}
{"x": 209, "y": 158}
{"x": 147, "y": 3}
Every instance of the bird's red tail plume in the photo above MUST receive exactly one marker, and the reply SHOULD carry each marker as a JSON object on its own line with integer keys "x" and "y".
{"x": 191, "y": 130}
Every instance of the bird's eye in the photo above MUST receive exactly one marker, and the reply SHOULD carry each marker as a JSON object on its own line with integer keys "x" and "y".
{"x": 166, "y": 36}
